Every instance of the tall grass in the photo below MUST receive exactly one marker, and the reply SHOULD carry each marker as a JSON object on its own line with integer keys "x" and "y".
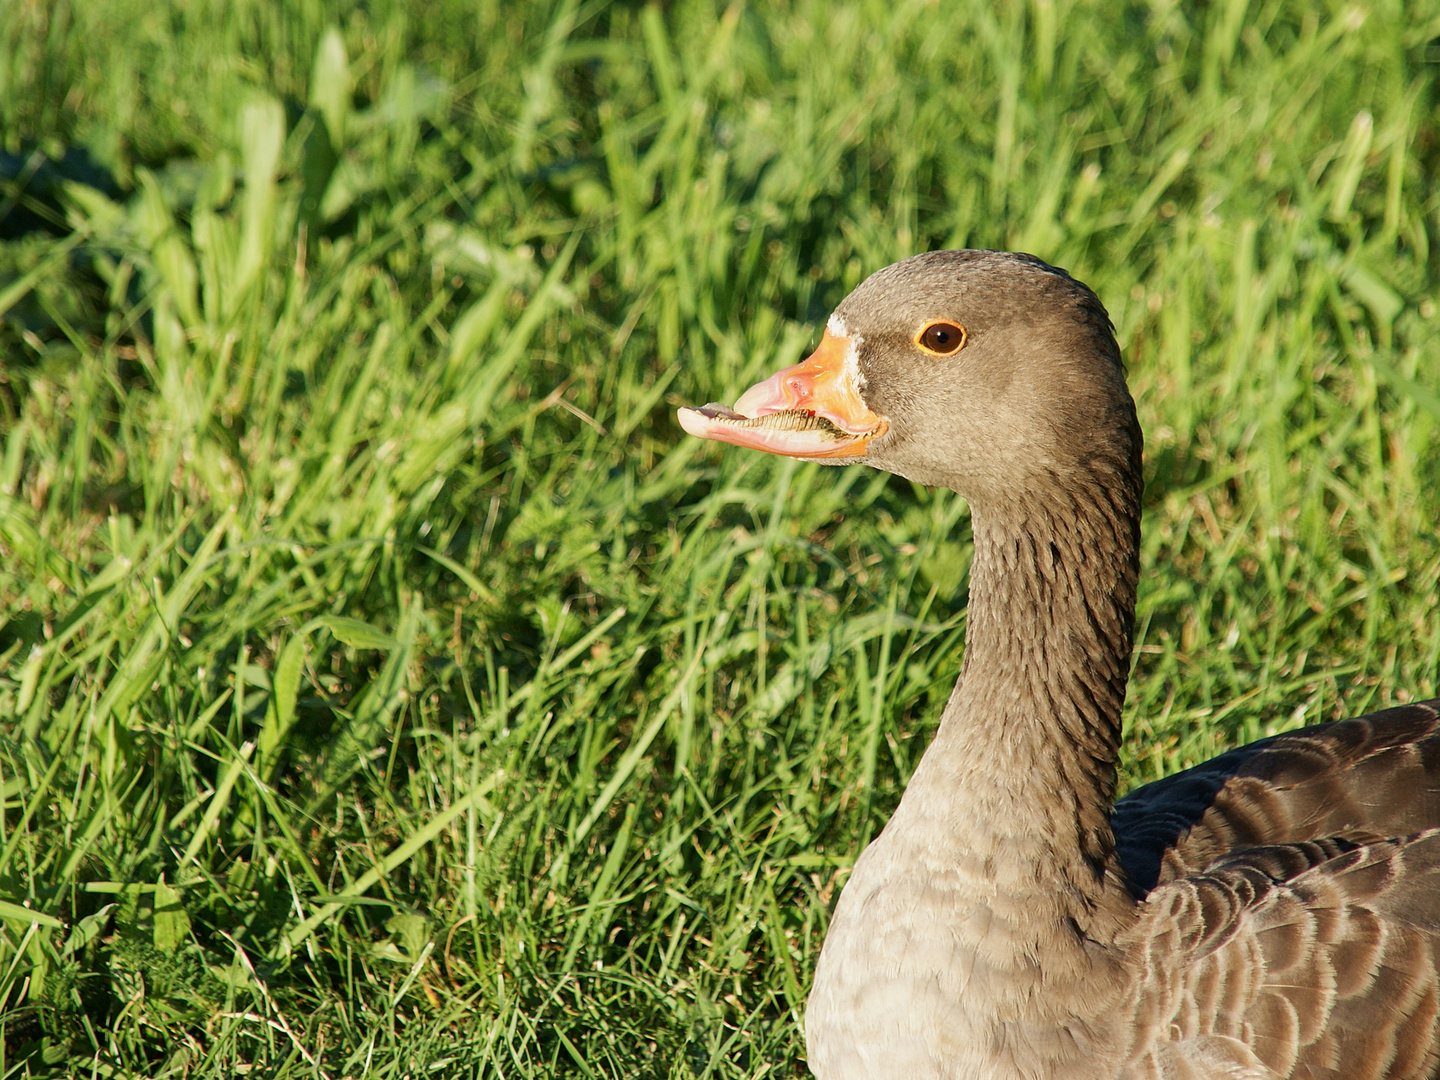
{"x": 388, "y": 688}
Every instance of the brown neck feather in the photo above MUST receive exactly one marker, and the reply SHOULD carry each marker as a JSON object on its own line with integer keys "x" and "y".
{"x": 1025, "y": 759}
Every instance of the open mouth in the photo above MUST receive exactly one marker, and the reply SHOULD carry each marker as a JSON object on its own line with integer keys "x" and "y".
{"x": 788, "y": 420}
{"x": 811, "y": 410}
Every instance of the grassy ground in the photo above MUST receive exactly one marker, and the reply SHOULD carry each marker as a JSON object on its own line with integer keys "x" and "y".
{"x": 388, "y": 688}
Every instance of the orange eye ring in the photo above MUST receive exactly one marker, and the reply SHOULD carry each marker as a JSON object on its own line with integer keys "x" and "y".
{"x": 941, "y": 338}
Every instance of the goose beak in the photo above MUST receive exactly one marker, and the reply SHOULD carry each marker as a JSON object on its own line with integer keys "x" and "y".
{"x": 811, "y": 410}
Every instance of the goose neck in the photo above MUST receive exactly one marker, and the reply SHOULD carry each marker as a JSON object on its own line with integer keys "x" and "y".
{"x": 1024, "y": 762}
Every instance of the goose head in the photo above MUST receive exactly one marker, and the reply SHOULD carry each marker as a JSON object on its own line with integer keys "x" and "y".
{"x": 980, "y": 371}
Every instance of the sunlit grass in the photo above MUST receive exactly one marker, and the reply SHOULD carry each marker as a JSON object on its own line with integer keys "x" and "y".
{"x": 389, "y": 687}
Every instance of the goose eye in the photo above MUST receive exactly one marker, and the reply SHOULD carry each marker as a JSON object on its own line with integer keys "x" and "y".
{"x": 941, "y": 338}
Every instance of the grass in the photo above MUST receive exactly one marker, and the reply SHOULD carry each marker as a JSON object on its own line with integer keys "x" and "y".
{"x": 387, "y": 688}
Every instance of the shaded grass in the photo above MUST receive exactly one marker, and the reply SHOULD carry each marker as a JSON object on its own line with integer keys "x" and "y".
{"x": 388, "y": 686}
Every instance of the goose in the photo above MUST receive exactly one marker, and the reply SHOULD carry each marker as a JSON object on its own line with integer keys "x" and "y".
{"x": 1273, "y": 912}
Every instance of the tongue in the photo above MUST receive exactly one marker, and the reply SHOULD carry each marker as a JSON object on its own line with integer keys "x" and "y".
{"x": 716, "y": 411}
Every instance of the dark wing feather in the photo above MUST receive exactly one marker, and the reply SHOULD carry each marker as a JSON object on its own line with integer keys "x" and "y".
{"x": 1327, "y": 971}
{"x": 1359, "y": 780}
